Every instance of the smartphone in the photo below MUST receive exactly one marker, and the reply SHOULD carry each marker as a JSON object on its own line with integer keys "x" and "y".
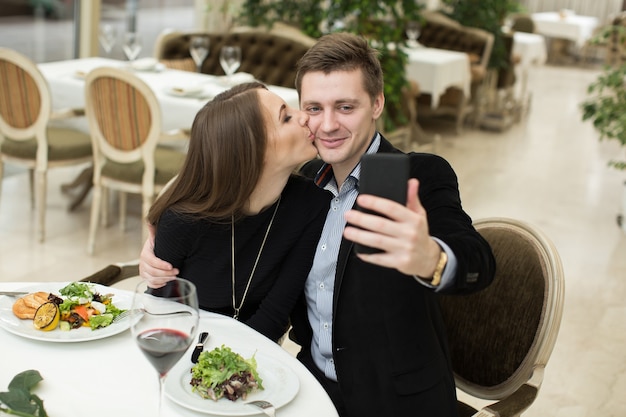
{"x": 383, "y": 175}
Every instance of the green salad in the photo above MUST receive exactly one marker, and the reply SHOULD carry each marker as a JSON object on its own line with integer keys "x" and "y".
{"x": 224, "y": 373}
{"x": 82, "y": 305}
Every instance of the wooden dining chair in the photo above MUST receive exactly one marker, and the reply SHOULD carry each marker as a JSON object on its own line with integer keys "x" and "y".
{"x": 501, "y": 337}
{"x": 125, "y": 120}
{"x": 26, "y": 137}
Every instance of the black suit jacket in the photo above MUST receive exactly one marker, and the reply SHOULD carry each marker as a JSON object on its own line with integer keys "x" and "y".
{"x": 389, "y": 341}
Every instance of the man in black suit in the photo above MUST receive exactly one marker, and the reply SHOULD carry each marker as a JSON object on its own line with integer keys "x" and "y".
{"x": 369, "y": 324}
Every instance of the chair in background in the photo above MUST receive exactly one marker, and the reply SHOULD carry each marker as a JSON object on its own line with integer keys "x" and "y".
{"x": 125, "y": 119}
{"x": 408, "y": 135}
{"x": 522, "y": 22}
{"x": 501, "y": 338}
{"x": 270, "y": 57}
{"x": 614, "y": 38}
{"x": 26, "y": 136}
{"x": 439, "y": 31}
{"x": 500, "y": 105}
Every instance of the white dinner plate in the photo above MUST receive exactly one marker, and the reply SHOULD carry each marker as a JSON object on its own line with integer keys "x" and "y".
{"x": 280, "y": 385}
{"x": 24, "y": 327}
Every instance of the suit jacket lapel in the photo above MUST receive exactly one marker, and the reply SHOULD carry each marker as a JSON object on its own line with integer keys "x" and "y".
{"x": 346, "y": 245}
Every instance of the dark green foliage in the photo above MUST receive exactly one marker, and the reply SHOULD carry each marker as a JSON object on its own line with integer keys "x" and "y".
{"x": 606, "y": 107}
{"x": 488, "y": 15}
{"x": 18, "y": 400}
{"x": 382, "y": 22}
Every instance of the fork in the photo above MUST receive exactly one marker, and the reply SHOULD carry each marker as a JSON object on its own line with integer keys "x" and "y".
{"x": 127, "y": 313}
{"x": 266, "y": 407}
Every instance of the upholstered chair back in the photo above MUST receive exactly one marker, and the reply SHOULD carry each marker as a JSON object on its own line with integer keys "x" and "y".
{"x": 125, "y": 120}
{"x": 26, "y": 136}
{"x": 501, "y": 338}
{"x": 439, "y": 31}
{"x": 523, "y": 22}
{"x": 271, "y": 58}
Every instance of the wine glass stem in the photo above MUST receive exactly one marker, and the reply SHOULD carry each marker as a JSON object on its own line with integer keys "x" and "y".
{"x": 161, "y": 394}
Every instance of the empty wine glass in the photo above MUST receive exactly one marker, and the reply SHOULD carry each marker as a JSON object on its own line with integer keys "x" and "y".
{"x": 162, "y": 333}
{"x": 412, "y": 31}
{"x": 107, "y": 36}
{"x": 230, "y": 60}
{"x": 132, "y": 45}
{"x": 199, "y": 49}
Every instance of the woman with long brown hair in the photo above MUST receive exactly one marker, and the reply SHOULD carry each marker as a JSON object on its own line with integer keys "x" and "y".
{"x": 237, "y": 221}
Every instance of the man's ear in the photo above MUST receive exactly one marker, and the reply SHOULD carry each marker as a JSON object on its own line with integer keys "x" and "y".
{"x": 378, "y": 106}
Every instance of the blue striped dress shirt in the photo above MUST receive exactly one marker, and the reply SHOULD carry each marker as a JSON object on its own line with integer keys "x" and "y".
{"x": 321, "y": 280}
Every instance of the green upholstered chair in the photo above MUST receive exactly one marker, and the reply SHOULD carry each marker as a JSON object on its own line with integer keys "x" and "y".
{"x": 125, "y": 120}
{"x": 26, "y": 138}
{"x": 501, "y": 338}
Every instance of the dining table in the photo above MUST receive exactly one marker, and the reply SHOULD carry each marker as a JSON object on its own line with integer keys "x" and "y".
{"x": 435, "y": 70}
{"x": 104, "y": 376}
{"x": 180, "y": 93}
{"x": 531, "y": 50}
{"x": 565, "y": 25}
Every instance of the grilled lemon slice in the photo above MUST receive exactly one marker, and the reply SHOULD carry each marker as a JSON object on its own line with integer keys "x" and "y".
{"x": 47, "y": 317}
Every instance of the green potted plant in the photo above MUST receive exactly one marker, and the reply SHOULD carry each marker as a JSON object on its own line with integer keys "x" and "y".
{"x": 488, "y": 15}
{"x": 605, "y": 106}
{"x": 381, "y": 21}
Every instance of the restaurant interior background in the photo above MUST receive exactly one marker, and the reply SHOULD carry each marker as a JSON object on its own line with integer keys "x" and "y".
{"x": 549, "y": 169}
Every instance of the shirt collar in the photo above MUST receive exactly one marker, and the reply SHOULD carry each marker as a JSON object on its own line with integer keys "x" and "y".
{"x": 325, "y": 174}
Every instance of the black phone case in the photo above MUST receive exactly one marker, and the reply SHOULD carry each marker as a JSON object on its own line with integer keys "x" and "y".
{"x": 383, "y": 175}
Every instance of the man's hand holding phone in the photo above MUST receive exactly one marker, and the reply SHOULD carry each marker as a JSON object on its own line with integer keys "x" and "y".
{"x": 398, "y": 230}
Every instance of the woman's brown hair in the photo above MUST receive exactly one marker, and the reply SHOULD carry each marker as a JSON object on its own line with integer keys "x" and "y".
{"x": 224, "y": 160}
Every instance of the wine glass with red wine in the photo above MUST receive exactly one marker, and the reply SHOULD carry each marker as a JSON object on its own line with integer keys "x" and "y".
{"x": 164, "y": 323}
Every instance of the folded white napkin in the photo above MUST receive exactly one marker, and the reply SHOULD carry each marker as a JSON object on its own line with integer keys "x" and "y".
{"x": 240, "y": 78}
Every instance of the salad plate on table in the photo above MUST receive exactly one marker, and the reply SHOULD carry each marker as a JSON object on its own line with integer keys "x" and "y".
{"x": 25, "y": 328}
{"x": 280, "y": 385}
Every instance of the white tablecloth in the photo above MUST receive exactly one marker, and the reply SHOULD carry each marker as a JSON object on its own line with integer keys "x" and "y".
{"x": 530, "y": 47}
{"x": 111, "y": 377}
{"x": 68, "y": 89}
{"x": 570, "y": 26}
{"x": 435, "y": 70}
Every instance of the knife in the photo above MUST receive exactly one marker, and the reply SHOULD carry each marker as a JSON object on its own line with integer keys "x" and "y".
{"x": 204, "y": 336}
{"x": 13, "y": 293}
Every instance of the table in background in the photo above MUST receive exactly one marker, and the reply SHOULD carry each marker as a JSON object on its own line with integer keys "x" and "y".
{"x": 111, "y": 377}
{"x": 435, "y": 70}
{"x": 565, "y": 26}
{"x": 531, "y": 50}
{"x": 66, "y": 80}
{"x": 67, "y": 86}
